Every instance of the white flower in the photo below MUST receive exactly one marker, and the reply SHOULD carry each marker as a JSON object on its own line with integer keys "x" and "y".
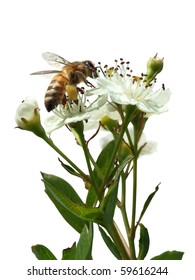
{"x": 125, "y": 89}
{"x": 28, "y": 118}
{"x": 26, "y": 111}
{"x": 108, "y": 110}
{"x": 73, "y": 112}
{"x": 149, "y": 147}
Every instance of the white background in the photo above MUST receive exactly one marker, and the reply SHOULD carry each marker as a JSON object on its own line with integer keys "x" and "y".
{"x": 99, "y": 31}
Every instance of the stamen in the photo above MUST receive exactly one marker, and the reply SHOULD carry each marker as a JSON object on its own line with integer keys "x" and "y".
{"x": 57, "y": 113}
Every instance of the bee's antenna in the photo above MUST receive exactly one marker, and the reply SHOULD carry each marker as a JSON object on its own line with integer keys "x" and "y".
{"x": 100, "y": 69}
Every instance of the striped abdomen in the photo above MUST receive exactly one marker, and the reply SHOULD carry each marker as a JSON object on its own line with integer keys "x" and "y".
{"x": 55, "y": 93}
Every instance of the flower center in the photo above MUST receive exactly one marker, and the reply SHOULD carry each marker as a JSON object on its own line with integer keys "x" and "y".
{"x": 71, "y": 107}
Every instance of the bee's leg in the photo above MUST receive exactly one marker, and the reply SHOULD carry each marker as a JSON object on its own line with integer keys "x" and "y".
{"x": 64, "y": 100}
{"x": 81, "y": 90}
{"x": 78, "y": 73}
{"x": 89, "y": 84}
{"x": 71, "y": 91}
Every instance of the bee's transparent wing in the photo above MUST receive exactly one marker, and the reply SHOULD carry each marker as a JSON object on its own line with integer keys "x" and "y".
{"x": 54, "y": 59}
{"x": 45, "y": 72}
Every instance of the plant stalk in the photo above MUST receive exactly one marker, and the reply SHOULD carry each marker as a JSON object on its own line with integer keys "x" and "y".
{"x": 134, "y": 197}
{"x": 124, "y": 126}
{"x": 53, "y": 146}
{"x": 119, "y": 241}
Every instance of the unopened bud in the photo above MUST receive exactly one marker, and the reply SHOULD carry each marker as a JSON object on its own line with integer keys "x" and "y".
{"x": 125, "y": 151}
{"x": 154, "y": 67}
{"x": 109, "y": 124}
{"x": 77, "y": 129}
{"x": 28, "y": 117}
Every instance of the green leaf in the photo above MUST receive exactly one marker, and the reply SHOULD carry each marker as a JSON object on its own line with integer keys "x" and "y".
{"x": 169, "y": 255}
{"x": 81, "y": 251}
{"x": 73, "y": 220}
{"x": 103, "y": 160}
{"x": 102, "y": 163}
{"x": 69, "y": 253}
{"x": 99, "y": 172}
{"x": 144, "y": 242}
{"x": 67, "y": 190}
{"x": 110, "y": 244}
{"x": 91, "y": 197}
{"x": 63, "y": 186}
{"x": 65, "y": 195}
{"x": 108, "y": 204}
{"x": 147, "y": 203}
{"x": 42, "y": 252}
{"x": 125, "y": 161}
{"x": 69, "y": 169}
{"x": 84, "y": 246}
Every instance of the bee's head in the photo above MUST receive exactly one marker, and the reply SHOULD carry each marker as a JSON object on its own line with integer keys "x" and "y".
{"x": 91, "y": 69}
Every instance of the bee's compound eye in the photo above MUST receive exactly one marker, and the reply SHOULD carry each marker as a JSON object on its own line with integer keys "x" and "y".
{"x": 89, "y": 63}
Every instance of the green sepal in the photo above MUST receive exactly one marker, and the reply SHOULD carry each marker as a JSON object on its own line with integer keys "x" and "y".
{"x": 42, "y": 252}
{"x": 110, "y": 244}
{"x": 144, "y": 242}
{"x": 65, "y": 195}
{"x": 77, "y": 129}
{"x": 69, "y": 253}
{"x": 169, "y": 255}
{"x": 154, "y": 67}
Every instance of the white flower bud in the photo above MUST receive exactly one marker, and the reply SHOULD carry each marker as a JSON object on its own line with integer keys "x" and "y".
{"x": 28, "y": 118}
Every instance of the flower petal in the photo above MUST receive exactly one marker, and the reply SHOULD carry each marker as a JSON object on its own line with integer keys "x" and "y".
{"x": 26, "y": 110}
{"x": 98, "y": 103}
{"x": 163, "y": 97}
{"x": 125, "y": 89}
{"x": 77, "y": 118}
{"x": 52, "y": 123}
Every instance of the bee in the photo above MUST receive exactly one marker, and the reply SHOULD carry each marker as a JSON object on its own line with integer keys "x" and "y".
{"x": 63, "y": 85}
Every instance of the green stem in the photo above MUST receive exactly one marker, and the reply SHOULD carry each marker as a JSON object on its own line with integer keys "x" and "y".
{"x": 87, "y": 158}
{"x": 134, "y": 198}
{"x": 124, "y": 126}
{"x": 129, "y": 139}
{"x": 113, "y": 230}
{"x": 53, "y": 146}
{"x": 95, "y": 165}
{"x": 123, "y": 204}
{"x": 119, "y": 241}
